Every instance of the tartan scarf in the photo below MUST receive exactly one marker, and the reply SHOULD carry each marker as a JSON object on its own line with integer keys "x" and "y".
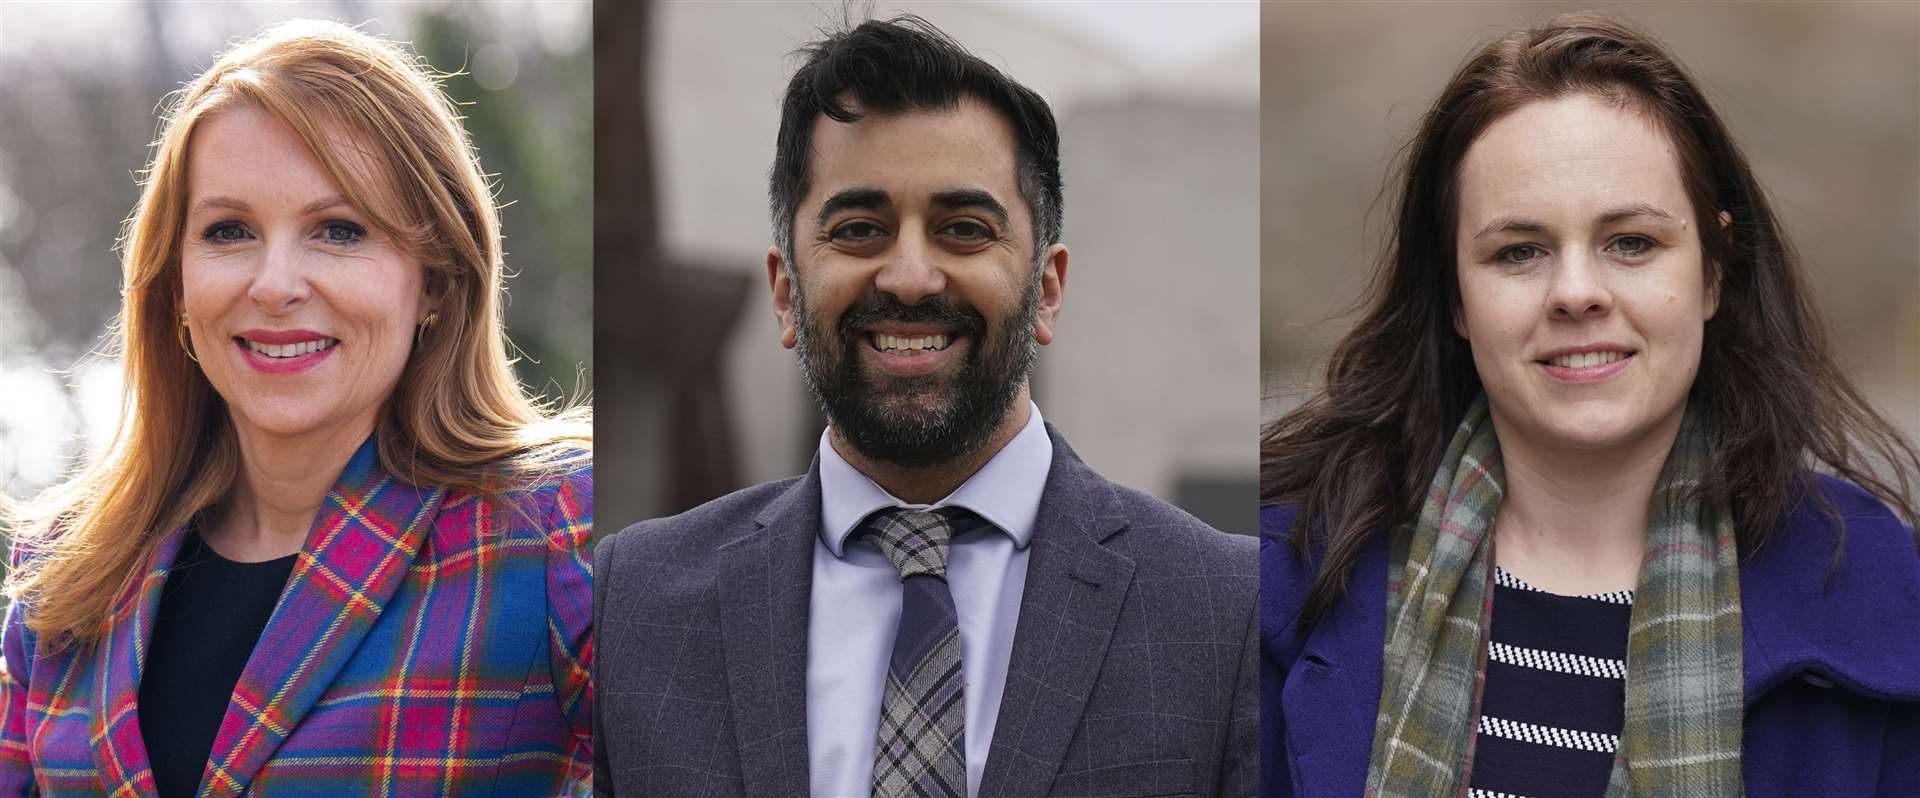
{"x": 1684, "y": 696}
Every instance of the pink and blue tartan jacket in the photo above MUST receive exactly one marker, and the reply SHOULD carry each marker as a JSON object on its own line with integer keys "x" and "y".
{"x": 428, "y": 643}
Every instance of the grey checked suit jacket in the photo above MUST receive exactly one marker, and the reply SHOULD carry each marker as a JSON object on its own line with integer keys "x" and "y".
{"x": 1132, "y": 673}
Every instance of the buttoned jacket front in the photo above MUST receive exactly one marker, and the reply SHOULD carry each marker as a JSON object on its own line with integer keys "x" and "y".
{"x": 427, "y": 643}
{"x": 1132, "y": 671}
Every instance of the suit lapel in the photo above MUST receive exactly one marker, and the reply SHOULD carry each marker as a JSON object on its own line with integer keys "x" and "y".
{"x": 114, "y": 729}
{"x": 765, "y": 578}
{"x": 357, "y": 554}
{"x": 1074, "y": 591}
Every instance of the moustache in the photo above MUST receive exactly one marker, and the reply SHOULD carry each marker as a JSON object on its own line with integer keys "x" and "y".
{"x": 875, "y": 307}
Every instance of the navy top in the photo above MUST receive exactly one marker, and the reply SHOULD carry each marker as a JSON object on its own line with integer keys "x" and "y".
{"x": 212, "y": 611}
{"x": 1555, "y": 693}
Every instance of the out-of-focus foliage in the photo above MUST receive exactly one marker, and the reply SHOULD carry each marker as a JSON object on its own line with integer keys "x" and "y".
{"x": 83, "y": 86}
{"x": 535, "y": 137}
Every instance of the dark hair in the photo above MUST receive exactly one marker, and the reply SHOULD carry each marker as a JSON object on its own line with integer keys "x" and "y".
{"x": 1357, "y": 456}
{"x": 906, "y": 64}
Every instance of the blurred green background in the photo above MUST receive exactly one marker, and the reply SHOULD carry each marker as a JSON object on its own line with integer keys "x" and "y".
{"x": 83, "y": 84}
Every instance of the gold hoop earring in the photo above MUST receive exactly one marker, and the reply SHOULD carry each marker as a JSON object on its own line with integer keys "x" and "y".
{"x": 186, "y": 338}
{"x": 420, "y": 332}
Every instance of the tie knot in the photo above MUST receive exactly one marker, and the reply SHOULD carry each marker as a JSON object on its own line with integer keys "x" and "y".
{"x": 914, "y": 540}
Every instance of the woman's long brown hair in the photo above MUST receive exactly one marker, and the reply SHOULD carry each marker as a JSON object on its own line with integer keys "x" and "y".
{"x": 1355, "y": 458}
{"x": 457, "y": 419}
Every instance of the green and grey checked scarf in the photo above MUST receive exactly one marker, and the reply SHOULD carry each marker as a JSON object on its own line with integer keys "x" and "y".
{"x": 1684, "y": 696}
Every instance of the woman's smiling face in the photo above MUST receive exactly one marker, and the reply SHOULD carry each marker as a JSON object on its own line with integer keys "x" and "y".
{"x": 1583, "y": 290}
{"x": 301, "y": 311}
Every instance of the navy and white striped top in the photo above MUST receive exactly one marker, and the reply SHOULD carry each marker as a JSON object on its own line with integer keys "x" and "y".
{"x": 1555, "y": 694}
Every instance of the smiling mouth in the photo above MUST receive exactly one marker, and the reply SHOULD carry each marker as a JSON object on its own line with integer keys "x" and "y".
{"x": 1585, "y": 360}
{"x": 909, "y": 345}
{"x": 287, "y": 351}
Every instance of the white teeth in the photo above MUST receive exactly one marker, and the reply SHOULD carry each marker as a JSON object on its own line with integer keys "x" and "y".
{"x": 292, "y": 350}
{"x": 898, "y": 343}
{"x": 1588, "y": 359}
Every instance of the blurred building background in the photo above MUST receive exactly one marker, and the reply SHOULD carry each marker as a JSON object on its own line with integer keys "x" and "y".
{"x": 82, "y": 86}
{"x": 1824, "y": 98}
{"x": 1152, "y": 377}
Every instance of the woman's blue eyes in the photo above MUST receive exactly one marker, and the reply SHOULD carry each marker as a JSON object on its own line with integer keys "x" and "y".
{"x": 225, "y": 232}
{"x": 1631, "y": 246}
{"x": 1518, "y": 254}
{"x": 341, "y": 232}
{"x": 338, "y": 231}
{"x": 1641, "y": 245}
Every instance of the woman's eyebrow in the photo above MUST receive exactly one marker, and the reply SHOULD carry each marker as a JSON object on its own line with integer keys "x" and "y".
{"x": 316, "y": 206}
{"x": 217, "y": 201}
{"x": 325, "y": 204}
{"x": 1510, "y": 224}
{"x": 1630, "y": 211}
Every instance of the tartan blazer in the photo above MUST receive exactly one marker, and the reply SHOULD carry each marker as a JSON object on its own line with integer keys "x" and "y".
{"x": 428, "y": 643}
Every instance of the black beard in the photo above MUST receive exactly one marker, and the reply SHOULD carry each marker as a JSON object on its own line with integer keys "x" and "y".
{"x": 914, "y": 422}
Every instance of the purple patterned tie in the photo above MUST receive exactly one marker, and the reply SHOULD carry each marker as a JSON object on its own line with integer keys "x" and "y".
{"x": 922, "y": 750}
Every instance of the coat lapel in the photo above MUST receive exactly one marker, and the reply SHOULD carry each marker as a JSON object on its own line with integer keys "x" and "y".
{"x": 1333, "y": 694}
{"x": 1074, "y": 591}
{"x": 114, "y": 729}
{"x": 765, "y": 578}
{"x": 357, "y": 554}
{"x": 1839, "y": 624}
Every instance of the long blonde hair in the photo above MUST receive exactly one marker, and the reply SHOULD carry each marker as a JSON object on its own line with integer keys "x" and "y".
{"x": 457, "y": 419}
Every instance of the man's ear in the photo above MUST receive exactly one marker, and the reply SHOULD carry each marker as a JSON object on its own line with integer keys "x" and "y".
{"x": 1053, "y": 289}
{"x": 780, "y": 282}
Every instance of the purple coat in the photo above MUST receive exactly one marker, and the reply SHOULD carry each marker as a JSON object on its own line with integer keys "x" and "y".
{"x": 1832, "y": 666}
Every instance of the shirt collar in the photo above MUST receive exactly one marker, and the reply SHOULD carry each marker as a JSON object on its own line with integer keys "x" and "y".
{"x": 1006, "y": 491}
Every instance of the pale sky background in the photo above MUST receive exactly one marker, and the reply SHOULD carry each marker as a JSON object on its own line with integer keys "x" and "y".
{"x": 1155, "y": 33}
{"x": 1152, "y": 33}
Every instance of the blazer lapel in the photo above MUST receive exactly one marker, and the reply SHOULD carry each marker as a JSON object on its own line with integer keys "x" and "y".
{"x": 357, "y": 554}
{"x": 1074, "y": 591}
{"x": 118, "y": 749}
{"x": 765, "y": 578}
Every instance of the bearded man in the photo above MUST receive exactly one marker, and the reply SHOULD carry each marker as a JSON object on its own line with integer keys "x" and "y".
{"x": 948, "y": 602}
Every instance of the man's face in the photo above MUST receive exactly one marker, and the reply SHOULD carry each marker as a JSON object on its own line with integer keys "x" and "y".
{"x": 915, "y": 300}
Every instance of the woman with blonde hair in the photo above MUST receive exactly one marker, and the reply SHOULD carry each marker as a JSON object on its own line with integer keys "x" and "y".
{"x": 334, "y": 547}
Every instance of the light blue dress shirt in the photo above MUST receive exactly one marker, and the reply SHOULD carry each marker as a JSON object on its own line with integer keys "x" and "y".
{"x": 854, "y": 609}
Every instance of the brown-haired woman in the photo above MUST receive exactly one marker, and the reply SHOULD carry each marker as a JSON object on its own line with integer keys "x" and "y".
{"x": 1585, "y": 507}
{"x": 334, "y": 548}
